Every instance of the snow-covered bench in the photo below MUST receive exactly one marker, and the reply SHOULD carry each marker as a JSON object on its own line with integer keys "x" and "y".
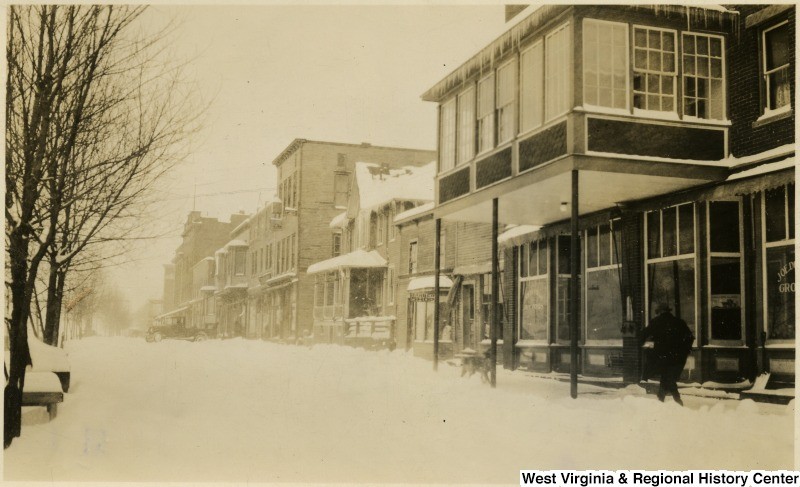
{"x": 46, "y": 358}
{"x": 43, "y": 389}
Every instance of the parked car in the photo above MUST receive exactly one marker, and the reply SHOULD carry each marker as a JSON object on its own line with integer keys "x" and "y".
{"x": 178, "y": 331}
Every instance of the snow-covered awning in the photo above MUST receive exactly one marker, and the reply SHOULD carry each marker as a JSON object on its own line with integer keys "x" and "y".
{"x": 427, "y": 282}
{"x": 413, "y": 212}
{"x": 767, "y": 168}
{"x": 358, "y": 259}
{"x": 208, "y": 288}
{"x": 517, "y": 235}
{"x": 339, "y": 220}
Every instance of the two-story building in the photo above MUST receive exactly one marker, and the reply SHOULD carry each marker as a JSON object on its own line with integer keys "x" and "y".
{"x": 646, "y": 152}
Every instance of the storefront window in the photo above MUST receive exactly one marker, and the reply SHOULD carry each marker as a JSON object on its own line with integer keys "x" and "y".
{"x": 779, "y": 256}
{"x": 423, "y": 316}
{"x": 725, "y": 270}
{"x": 671, "y": 261}
{"x": 603, "y": 301}
{"x": 533, "y": 296}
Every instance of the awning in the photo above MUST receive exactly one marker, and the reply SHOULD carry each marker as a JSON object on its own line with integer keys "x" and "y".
{"x": 427, "y": 282}
{"x": 517, "y": 235}
{"x": 360, "y": 259}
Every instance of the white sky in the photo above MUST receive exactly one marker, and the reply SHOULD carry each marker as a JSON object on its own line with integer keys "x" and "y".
{"x": 275, "y": 73}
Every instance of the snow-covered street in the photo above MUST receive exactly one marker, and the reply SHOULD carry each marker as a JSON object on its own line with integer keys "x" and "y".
{"x": 251, "y": 411}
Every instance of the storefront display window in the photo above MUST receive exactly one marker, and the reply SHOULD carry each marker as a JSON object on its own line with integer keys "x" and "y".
{"x": 603, "y": 301}
{"x": 533, "y": 295}
{"x": 725, "y": 273}
{"x": 779, "y": 255}
{"x": 423, "y": 309}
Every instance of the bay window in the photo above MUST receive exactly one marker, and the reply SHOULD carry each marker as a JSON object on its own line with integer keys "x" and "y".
{"x": 531, "y": 87}
{"x": 654, "y": 69}
{"x": 486, "y": 114}
{"x": 533, "y": 291}
{"x": 779, "y": 256}
{"x": 703, "y": 76}
{"x": 777, "y": 75}
{"x": 605, "y": 64}
{"x": 506, "y": 101}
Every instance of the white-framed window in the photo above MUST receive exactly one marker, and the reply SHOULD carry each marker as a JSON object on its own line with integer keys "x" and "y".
{"x": 778, "y": 251}
{"x": 703, "y": 76}
{"x": 654, "y": 69}
{"x": 531, "y": 87}
{"x": 671, "y": 262}
{"x": 506, "y": 101}
{"x": 603, "y": 303}
{"x": 336, "y": 249}
{"x": 605, "y": 64}
{"x": 412, "y": 257}
{"x": 558, "y": 80}
{"x": 775, "y": 67}
{"x": 447, "y": 139}
{"x": 486, "y": 139}
{"x": 725, "y": 272}
{"x": 466, "y": 126}
{"x": 534, "y": 293}
{"x": 381, "y": 226}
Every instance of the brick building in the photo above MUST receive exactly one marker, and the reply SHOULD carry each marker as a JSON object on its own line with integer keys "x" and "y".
{"x": 646, "y": 155}
{"x": 313, "y": 187}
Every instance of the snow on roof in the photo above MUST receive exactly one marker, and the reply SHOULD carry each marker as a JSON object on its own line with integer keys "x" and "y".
{"x": 339, "y": 220}
{"x": 208, "y": 288}
{"x": 359, "y": 259}
{"x": 427, "y": 282}
{"x": 776, "y": 152}
{"x": 245, "y": 223}
{"x": 763, "y": 169}
{"x": 419, "y": 210}
{"x": 377, "y": 185}
{"x": 513, "y": 234}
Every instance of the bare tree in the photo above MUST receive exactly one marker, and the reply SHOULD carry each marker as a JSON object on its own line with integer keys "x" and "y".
{"x": 95, "y": 114}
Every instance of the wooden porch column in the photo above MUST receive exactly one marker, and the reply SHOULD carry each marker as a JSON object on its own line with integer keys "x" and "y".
{"x": 436, "y": 273}
{"x": 495, "y": 318}
{"x": 574, "y": 265}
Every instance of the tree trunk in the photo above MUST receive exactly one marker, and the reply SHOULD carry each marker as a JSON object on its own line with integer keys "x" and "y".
{"x": 55, "y": 297}
{"x": 17, "y": 337}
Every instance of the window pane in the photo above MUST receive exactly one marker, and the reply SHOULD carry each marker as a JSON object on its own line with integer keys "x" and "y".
{"x": 466, "y": 126}
{"x": 531, "y": 87}
{"x": 780, "y": 292}
{"x": 724, "y": 226}
{"x": 533, "y": 306}
{"x": 564, "y": 254}
{"x": 775, "y": 208}
{"x": 523, "y": 261}
{"x": 776, "y": 44}
{"x": 673, "y": 283}
{"x": 591, "y": 248}
{"x": 669, "y": 227}
{"x": 603, "y": 304}
{"x": 542, "y": 257}
{"x": 653, "y": 235}
{"x": 533, "y": 257}
{"x": 562, "y": 307}
{"x": 604, "y": 63}
{"x": 778, "y": 89}
{"x": 726, "y": 299}
{"x": 557, "y": 73}
{"x": 419, "y": 320}
{"x": 605, "y": 245}
{"x": 686, "y": 223}
{"x": 447, "y": 140}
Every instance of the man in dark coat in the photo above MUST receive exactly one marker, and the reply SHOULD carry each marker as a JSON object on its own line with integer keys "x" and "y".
{"x": 672, "y": 342}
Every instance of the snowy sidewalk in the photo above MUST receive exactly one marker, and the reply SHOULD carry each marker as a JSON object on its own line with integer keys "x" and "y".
{"x": 250, "y": 411}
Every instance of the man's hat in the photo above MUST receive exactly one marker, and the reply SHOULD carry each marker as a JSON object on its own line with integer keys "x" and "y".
{"x": 663, "y": 307}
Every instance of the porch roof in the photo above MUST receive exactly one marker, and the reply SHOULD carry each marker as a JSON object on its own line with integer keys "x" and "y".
{"x": 542, "y": 196}
{"x": 357, "y": 259}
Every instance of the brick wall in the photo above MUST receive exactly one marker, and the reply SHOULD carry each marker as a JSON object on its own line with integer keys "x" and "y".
{"x": 746, "y": 87}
